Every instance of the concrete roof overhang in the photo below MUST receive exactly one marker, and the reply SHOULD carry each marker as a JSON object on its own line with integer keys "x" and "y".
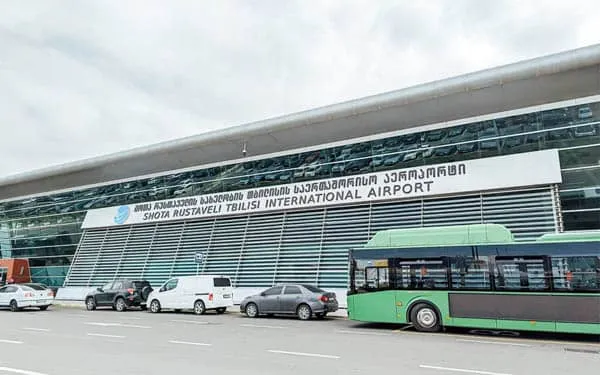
{"x": 563, "y": 76}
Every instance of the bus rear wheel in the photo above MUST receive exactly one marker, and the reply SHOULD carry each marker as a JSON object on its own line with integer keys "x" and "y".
{"x": 424, "y": 318}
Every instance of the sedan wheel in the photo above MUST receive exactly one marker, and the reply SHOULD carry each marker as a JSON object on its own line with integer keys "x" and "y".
{"x": 304, "y": 312}
{"x": 14, "y": 306}
{"x": 251, "y": 310}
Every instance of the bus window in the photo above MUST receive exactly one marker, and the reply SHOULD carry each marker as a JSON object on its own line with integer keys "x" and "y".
{"x": 520, "y": 274}
{"x": 370, "y": 274}
{"x": 470, "y": 273}
{"x": 377, "y": 278}
{"x": 576, "y": 273}
{"x": 420, "y": 274}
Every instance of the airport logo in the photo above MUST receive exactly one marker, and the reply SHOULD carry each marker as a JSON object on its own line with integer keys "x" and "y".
{"x": 122, "y": 215}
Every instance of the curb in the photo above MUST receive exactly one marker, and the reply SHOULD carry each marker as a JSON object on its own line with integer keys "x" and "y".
{"x": 69, "y": 304}
{"x": 81, "y": 305}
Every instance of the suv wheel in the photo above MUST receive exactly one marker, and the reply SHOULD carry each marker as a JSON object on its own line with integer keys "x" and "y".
{"x": 120, "y": 304}
{"x": 90, "y": 304}
{"x": 155, "y": 306}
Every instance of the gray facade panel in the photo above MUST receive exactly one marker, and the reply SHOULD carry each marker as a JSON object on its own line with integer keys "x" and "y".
{"x": 297, "y": 246}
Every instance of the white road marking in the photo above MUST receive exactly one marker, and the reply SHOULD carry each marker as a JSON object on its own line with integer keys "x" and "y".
{"x": 134, "y": 326}
{"x": 189, "y": 321}
{"x": 10, "y": 342}
{"x": 102, "y": 324}
{"x": 305, "y": 354}
{"x": 261, "y": 326}
{"x": 116, "y": 325}
{"x": 103, "y": 335}
{"x": 19, "y": 371}
{"x": 189, "y": 343}
{"x": 36, "y": 329}
{"x": 494, "y": 342}
{"x": 462, "y": 370}
{"x": 364, "y": 333}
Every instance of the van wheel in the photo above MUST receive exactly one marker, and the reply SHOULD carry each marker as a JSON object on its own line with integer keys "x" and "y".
{"x": 199, "y": 308}
{"x": 251, "y": 310}
{"x": 221, "y": 310}
{"x": 424, "y": 318}
{"x": 155, "y": 306}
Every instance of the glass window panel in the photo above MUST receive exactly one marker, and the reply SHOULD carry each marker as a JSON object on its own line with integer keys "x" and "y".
{"x": 574, "y": 179}
{"x": 576, "y": 273}
{"x": 584, "y": 199}
{"x": 582, "y": 220}
{"x": 470, "y": 273}
{"x": 420, "y": 274}
{"x": 520, "y": 274}
{"x": 290, "y": 289}
{"x": 580, "y": 157}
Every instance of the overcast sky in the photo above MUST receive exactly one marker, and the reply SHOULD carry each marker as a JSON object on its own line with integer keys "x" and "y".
{"x": 84, "y": 78}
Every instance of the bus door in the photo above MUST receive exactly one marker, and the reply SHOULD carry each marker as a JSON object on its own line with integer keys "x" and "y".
{"x": 522, "y": 277}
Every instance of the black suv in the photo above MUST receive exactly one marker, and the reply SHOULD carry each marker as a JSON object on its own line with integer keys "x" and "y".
{"x": 120, "y": 295}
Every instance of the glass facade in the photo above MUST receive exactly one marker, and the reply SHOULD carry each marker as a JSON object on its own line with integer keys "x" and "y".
{"x": 47, "y": 229}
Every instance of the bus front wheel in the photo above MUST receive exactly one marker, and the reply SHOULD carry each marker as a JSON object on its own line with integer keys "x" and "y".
{"x": 425, "y": 318}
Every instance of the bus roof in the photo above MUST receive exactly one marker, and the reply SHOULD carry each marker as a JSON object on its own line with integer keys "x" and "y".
{"x": 442, "y": 236}
{"x": 570, "y": 237}
{"x": 469, "y": 235}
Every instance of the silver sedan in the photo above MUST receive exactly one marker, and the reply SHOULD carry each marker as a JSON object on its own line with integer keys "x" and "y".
{"x": 304, "y": 301}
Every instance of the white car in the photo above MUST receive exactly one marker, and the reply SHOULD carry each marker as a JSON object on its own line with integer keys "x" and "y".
{"x": 197, "y": 293}
{"x": 20, "y": 296}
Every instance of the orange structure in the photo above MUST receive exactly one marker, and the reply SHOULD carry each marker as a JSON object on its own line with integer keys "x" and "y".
{"x": 17, "y": 270}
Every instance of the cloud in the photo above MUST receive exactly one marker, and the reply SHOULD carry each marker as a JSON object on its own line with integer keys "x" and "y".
{"x": 82, "y": 78}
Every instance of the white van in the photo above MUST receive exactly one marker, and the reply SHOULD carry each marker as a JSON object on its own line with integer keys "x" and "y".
{"x": 197, "y": 293}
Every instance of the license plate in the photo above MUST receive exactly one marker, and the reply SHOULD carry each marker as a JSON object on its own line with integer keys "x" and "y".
{"x": 226, "y": 296}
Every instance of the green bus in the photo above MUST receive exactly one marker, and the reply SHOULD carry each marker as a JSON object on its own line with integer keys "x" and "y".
{"x": 479, "y": 277}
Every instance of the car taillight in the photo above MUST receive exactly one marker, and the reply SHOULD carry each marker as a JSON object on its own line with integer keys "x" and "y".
{"x": 130, "y": 290}
{"x": 50, "y": 293}
{"x": 324, "y": 298}
{"x": 210, "y": 297}
{"x": 28, "y": 294}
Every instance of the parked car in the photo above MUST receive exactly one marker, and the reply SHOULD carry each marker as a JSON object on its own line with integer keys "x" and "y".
{"x": 197, "y": 293}
{"x": 304, "y": 301}
{"x": 120, "y": 294}
{"x": 20, "y": 296}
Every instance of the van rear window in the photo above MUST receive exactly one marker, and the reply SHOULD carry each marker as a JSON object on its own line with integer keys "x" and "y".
{"x": 221, "y": 281}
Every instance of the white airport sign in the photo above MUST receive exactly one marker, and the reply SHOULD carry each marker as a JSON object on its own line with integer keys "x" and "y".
{"x": 501, "y": 172}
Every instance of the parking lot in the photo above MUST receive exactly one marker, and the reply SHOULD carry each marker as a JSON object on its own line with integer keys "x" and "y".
{"x": 69, "y": 341}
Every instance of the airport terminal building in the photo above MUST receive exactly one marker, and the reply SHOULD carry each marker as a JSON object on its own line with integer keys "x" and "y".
{"x": 283, "y": 200}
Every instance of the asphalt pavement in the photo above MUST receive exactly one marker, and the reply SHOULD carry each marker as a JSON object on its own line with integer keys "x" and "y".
{"x": 69, "y": 341}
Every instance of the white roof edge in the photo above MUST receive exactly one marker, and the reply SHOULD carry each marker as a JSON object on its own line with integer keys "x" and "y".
{"x": 540, "y": 66}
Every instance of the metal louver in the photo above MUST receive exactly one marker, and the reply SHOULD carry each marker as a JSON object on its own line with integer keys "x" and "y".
{"x": 297, "y": 246}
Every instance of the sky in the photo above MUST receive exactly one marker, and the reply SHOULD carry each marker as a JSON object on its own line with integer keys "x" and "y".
{"x": 80, "y": 79}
